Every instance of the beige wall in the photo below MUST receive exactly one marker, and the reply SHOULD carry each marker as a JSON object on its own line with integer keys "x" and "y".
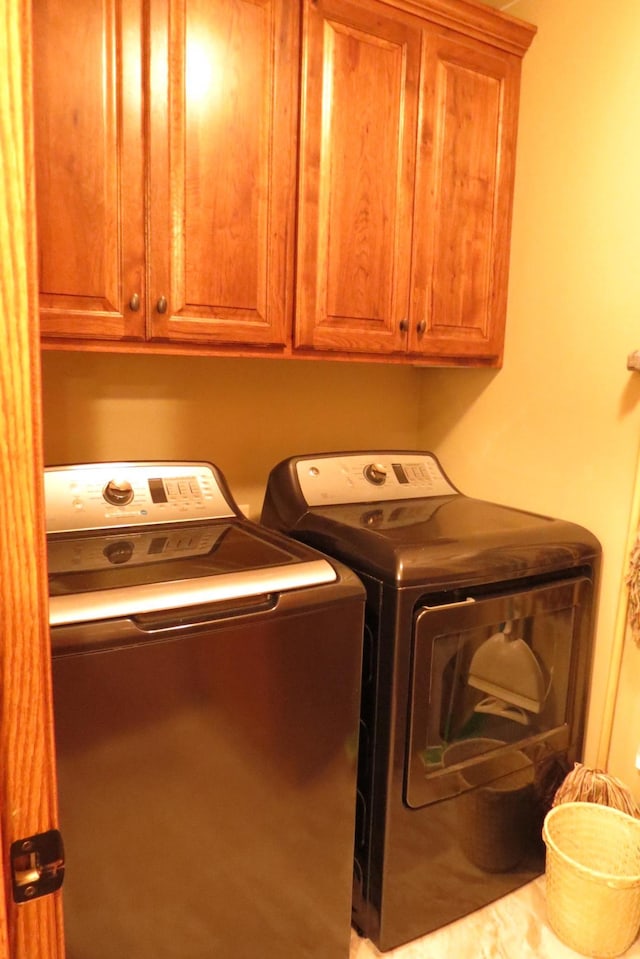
{"x": 556, "y": 430}
{"x": 244, "y": 415}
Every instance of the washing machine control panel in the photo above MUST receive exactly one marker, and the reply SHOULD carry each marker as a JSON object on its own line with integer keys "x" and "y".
{"x": 104, "y": 495}
{"x": 369, "y": 477}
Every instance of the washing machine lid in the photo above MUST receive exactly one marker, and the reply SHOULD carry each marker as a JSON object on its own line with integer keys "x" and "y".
{"x": 131, "y": 572}
{"x": 175, "y": 540}
{"x": 396, "y": 515}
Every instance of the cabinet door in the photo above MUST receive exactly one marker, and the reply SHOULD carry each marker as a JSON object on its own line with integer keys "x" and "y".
{"x": 463, "y": 197}
{"x": 222, "y": 169}
{"x": 360, "y": 74}
{"x": 89, "y": 167}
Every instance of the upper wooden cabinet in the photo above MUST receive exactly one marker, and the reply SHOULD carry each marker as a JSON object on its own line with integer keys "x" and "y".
{"x": 89, "y": 167}
{"x": 358, "y": 151}
{"x": 464, "y": 188}
{"x": 165, "y": 195}
{"x": 177, "y": 141}
{"x": 222, "y": 167}
{"x": 408, "y": 134}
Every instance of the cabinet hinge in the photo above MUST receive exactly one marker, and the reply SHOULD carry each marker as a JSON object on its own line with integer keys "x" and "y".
{"x": 37, "y": 865}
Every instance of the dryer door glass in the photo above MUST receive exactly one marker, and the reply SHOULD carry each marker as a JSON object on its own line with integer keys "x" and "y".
{"x": 489, "y": 673}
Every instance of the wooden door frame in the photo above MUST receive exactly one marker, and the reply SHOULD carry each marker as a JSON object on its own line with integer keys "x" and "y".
{"x": 27, "y": 768}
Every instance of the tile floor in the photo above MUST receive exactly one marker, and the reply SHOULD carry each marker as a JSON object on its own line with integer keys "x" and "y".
{"x": 515, "y": 927}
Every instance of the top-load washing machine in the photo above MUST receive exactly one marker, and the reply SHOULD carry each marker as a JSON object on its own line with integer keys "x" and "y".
{"x": 478, "y": 628}
{"x": 206, "y": 687}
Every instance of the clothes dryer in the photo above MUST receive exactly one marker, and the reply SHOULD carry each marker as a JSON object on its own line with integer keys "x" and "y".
{"x": 477, "y": 649}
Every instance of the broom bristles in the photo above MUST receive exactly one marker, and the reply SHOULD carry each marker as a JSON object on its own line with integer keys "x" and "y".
{"x": 595, "y": 785}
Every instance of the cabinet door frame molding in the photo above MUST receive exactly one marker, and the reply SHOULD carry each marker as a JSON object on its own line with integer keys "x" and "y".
{"x": 27, "y": 779}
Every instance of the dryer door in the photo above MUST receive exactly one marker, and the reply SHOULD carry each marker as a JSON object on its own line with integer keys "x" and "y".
{"x": 498, "y": 684}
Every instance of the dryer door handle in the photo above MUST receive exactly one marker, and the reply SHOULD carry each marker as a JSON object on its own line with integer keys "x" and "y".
{"x": 461, "y": 602}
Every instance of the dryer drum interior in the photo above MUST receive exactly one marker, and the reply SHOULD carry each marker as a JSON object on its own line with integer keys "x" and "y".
{"x": 476, "y": 663}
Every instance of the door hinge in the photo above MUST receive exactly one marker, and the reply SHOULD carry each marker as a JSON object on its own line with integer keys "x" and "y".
{"x": 37, "y": 865}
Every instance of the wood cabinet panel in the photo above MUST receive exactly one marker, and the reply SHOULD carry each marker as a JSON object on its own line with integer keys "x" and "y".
{"x": 402, "y": 251}
{"x": 222, "y": 170}
{"x": 226, "y": 96}
{"x": 27, "y": 761}
{"x": 89, "y": 166}
{"x": 463, "y": 197}
{"x": 169, "y": 176}
{"x": 356, "y": 183}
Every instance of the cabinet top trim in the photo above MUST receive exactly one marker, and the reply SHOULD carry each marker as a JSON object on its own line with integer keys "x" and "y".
{"x": 475, "y": 19}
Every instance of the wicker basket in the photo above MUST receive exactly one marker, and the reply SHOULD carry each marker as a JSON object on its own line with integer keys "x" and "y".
{"x": 593, "y": 877}
{"x": 496, "y": 810}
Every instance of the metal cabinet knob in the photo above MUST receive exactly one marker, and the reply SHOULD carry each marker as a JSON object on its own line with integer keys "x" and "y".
{"x": 161, "y": 305}
{"x": 134, "y": 302}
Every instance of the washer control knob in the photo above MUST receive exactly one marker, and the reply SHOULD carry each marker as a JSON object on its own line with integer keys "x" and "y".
{"x": 119, "y": 553}
{"x": 118, "y": 492}
{"x": 376, "y": 473}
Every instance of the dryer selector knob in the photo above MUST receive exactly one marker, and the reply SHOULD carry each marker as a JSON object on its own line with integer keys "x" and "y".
{"x": 118, "y": 492}
{"x": 376, "y": 473}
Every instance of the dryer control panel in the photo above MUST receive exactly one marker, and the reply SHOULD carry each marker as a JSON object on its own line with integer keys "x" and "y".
{"x": 368, "y": 477}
